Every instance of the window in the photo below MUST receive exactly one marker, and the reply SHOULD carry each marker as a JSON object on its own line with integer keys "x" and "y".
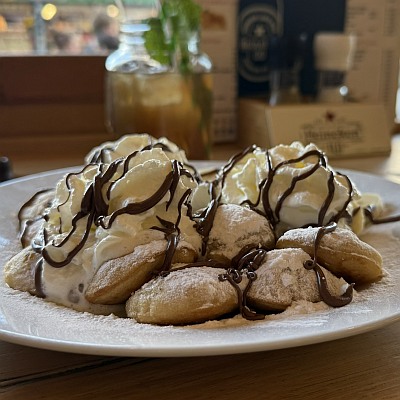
{"x": 62, "y": 26}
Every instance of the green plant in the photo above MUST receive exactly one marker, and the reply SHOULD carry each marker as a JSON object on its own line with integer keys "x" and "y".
{"x": 169, "y": 34}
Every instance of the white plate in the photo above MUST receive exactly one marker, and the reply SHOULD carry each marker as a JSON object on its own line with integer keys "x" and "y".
{"x": 34, "y": 322}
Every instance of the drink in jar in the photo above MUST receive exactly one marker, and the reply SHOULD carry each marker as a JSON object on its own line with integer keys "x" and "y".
{"x": 177, "y": 106}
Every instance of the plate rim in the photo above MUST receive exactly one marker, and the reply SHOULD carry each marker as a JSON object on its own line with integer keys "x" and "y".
{"x": 191, "y": 351}
{"x": 187, "y": 351}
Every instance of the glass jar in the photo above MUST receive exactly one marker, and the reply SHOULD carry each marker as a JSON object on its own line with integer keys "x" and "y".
{"x": 169, "y": 96}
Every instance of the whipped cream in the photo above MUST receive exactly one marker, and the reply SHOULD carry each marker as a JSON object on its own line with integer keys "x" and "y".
{"x": 297, "y": 190}
{"x": 107, "y": 229}
{"x": 127, "y": 144}
{"x": 130, "y": 192}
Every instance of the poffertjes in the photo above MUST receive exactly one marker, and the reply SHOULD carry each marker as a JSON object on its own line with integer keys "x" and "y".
{"x": 138, "y": 232}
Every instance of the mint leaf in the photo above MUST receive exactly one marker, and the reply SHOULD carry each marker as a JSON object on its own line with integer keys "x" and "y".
{"x": 155, "y": 42}
{"x": 187, "y": 12}
{"x": 180, "y": 18}
{"x": 183, "y": 18}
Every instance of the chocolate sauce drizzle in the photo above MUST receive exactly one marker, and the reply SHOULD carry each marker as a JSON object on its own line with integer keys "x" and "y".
{"x": 369, "y": 213}
{"x": 245, "y": 263}
{"x": 172, "y": 234}
{"x": 327, "y": 297}
{"x": 94, "y": 211}
{"x": 24, "y": 224}
{"x": 205, "y": 219}
{"x": 234, "y": 275}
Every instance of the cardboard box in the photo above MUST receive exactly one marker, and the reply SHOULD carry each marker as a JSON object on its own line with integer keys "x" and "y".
{"x": 340, "y": 130}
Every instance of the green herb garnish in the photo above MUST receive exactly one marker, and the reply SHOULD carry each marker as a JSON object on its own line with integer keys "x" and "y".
{"x": 168, "y": 37}
{"x": 156, "y": 43}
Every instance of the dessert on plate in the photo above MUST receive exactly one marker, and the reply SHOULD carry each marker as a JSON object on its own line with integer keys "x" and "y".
{"x": 138, "y": 232}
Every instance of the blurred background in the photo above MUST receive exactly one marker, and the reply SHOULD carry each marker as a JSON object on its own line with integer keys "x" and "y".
{"x": 60, "y": 27}
{"x": 52, "y": 56}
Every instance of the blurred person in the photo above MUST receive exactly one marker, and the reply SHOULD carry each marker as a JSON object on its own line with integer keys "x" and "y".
{"x": 66, "y": 42}
{"x": 106, "y": 31}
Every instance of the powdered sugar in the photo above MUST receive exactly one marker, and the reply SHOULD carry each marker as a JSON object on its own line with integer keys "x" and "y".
{"x": 236, "y": 227}
{"x": 29, "y": 320}
{"x": 282, "y": 279}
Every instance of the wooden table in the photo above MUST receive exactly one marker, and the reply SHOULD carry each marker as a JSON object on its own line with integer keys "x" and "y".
{"x": 358, "y": 367}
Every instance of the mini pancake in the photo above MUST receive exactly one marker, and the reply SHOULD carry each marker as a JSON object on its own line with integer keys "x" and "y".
{"x": 116, "y": 279}
{"x": 235, "y": 228}
{"x": 283, "y": 279}
{"x": 340, "y": 251}
{"x": 186, "y": 296}
{"x": 19, "y": 270}
{"x": 19, "y": 275}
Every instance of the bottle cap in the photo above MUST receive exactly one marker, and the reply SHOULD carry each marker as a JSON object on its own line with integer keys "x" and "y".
{"x": 334, "y": 51}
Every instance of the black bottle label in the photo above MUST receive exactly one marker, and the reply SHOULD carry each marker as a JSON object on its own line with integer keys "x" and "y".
{"x": 257, "y": 21}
